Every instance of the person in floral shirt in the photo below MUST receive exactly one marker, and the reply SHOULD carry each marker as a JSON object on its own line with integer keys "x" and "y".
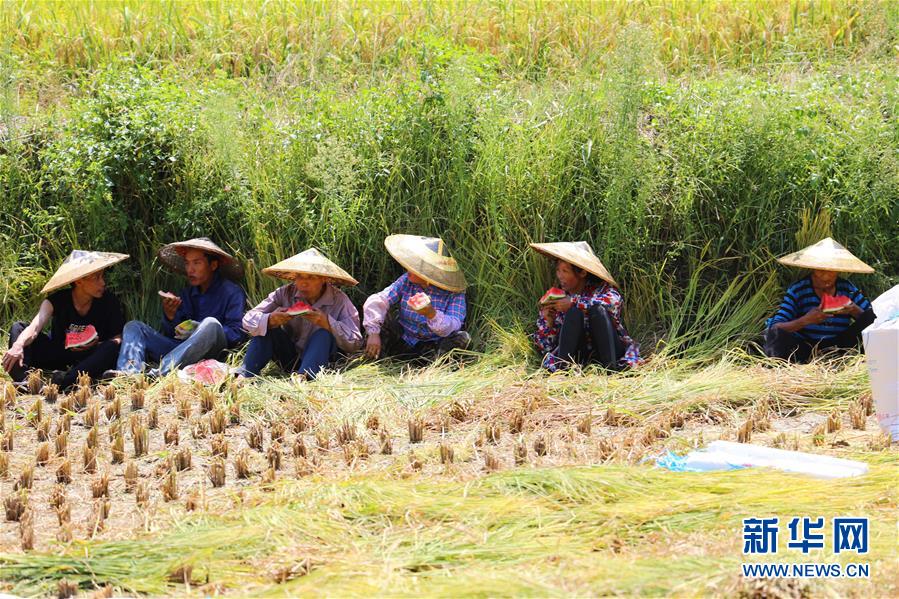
{"x": 585, "y": 326}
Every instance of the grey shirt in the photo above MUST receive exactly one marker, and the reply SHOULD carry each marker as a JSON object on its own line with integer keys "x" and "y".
{"x": 341, "y": 313}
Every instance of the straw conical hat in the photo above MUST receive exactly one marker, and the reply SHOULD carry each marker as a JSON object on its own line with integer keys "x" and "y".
{"x": 310, "y": 262}
{"x": 172, "y": 256}
{"x": 78, "y": 264}
{"x": 827, "y": 254}
{"x": 428, "y": 258}
{"x": 578, "y": 253}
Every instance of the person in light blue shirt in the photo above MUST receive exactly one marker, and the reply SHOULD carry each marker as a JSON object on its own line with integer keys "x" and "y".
{"x": 806, "y": 323}
{"x": 200, "y": 322}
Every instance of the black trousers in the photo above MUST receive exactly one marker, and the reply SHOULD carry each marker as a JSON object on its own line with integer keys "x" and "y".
{"x": 423, "y": 351}
{"x": 48, "y": 354}
{"x": 787, "y": 346}
{"x": 608, "y": 348}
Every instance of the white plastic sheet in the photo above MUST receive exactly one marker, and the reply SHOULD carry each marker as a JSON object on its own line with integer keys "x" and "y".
{"x": 881, "y": 341}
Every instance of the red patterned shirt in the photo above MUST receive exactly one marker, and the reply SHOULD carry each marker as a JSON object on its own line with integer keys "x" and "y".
{"x": 547, "y": 336}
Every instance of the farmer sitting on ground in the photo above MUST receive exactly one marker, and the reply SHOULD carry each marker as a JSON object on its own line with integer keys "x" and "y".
{"x": 302, "y": 325}
{"x": 200, "y": 323}
{"x": 429, "y": 299}
{"x": 85, "y": 324}
{"x": 581, "y": 322}
{"x": 820, "y": 312}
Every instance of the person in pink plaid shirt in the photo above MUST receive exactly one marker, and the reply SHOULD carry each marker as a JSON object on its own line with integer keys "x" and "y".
{"x": 583, "y": 326}
{"x": 430, "y": 302}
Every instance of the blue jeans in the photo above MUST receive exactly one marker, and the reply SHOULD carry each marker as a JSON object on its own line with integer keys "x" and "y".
{"x": 142, "y": 343}
{"x": 277, "y": 345}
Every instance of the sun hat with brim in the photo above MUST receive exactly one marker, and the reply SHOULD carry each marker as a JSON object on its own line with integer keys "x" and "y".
{"x": 79, "y": 264}
{"x": 429, "y": 258}
{"x": 310, "y": 262}
{"x": 172, "y": 256}
{"x": 827, "y": 254}
{"x": 578, "y": 253}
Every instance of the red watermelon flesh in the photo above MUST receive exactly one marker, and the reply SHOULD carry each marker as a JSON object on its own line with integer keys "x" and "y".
{"x": 419, "y": 301}
{"x": 834, "y": 303}
{"x": 82, "y": 338}
{"x": 299, "y": 309}
{"x": 552, "y": 295}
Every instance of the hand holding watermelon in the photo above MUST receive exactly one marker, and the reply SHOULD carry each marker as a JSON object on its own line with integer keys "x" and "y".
{"x": 836, "y": 304}
{"x": 421, "y": 303}
{"x": 170, "y": 303}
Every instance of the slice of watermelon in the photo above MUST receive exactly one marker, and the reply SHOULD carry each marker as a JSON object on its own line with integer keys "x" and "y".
{"x": 552, "y": 295}
{"x": 81, "y": 338}
{"x": 186, "y": 329}
{"x": 834, "y": 303}
{"x": 419, "y": 301}
{"x": 298, "y": 309}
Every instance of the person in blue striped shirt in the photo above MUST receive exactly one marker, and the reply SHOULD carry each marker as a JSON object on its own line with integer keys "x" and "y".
{"x": 805, "y": 325}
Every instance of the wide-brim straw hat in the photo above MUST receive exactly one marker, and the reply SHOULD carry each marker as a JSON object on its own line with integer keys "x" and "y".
{"x": 172, "y": 256}
{"x": 827, "y": 254}
{"x": 578, "y": 253}
{"x": 429, "y": 258}
{"x": 310, "y": 262}
{"x": 79, "y": 264}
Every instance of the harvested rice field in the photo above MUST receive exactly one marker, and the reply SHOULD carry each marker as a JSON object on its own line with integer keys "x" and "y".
{"x": 476, "y": 479}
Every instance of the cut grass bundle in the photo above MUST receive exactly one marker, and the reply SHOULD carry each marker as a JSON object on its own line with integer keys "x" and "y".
{"x": 153, "y": 417}
{"x": 540, "y": 446}
{"x": 207, "y": 400}
{"x": 42, "y": 455}
{"x": 26, "y": 477}
{"x": 91, "y": 416}
{"x": 130, "y": 475}
{"x": 416, "y": 430}
{"x": 137, "y": 399}
{"x": 141, "y": 439}
{"x": 88, "y": 459}
{"x": 345, "y": 433}
{"x": 43, "y": 430}
{"x": 171, "y": 435}
{"x": 242, "y": 464}
{"x": 170, "y": 486}
{"x": 217, "y": 421}
{"x": 51, "y": 393}
{"x": 34, "y": 383}
{"x": 446, "y": 453}
{"x": 255, "y": 437}
{"x": 80, "y": 398}
{"x": 26, "y": 530}
{"x": 15, "y": 504}
{"x": 217, "y": 472}
{"x": 183, "y": 459}
{"x": 100, "y": 486}
{"x": 57, "y": 495}
{"x": 199, "y": 428}
{"x": 219, "y": 446}
{"x": 117, "y": 450}
{"x": 114, "y": 409}
{"x": 36, "y": 413}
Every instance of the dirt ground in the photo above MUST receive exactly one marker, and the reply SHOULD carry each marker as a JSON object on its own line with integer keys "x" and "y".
{"x": 480, "y": 440}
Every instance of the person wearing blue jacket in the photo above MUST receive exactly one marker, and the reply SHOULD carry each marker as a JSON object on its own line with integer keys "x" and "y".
{"x": 202, "y": 321}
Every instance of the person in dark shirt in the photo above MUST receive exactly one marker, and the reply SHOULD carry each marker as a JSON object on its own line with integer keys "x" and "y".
{"x": 85, "y": 321}
{"x": 801, "y": 327}
{"x": 200, "y": 322}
